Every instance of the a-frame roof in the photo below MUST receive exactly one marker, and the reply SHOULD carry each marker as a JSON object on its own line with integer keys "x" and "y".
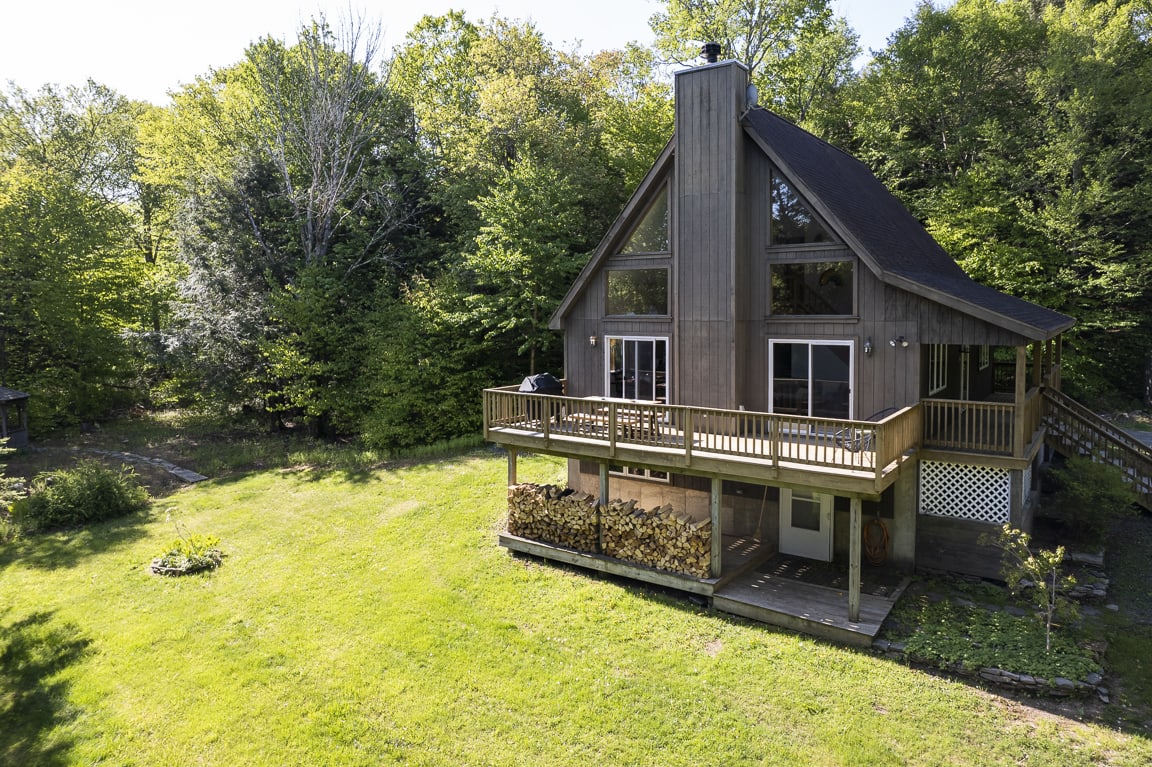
{"x": 889, "y": 239}
{"x": 863, "y": 213}
{"x": 652, "y": 182}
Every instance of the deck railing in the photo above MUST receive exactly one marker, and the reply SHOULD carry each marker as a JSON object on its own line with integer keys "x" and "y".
{"x": 822, "y": 442}
{"x": 980, "y": 427}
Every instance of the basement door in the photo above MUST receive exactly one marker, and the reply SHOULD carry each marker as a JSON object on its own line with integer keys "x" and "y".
{"x": 806, "y": 524}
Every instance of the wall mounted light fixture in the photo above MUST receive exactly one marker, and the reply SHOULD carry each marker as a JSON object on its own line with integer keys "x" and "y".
{"x": 868, "y": 345}
{"x": 592, "y": 341}
{"x": 899, "y": 341}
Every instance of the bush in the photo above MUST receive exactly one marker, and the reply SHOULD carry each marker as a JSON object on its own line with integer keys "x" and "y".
{"x": 1090, "y": 496}
{"x": 189, "y": 554}
{"x": 91, "y": 492}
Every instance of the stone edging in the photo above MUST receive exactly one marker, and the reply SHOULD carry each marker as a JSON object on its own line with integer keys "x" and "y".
{"x": 1057, "y": 687}
{"x": 187, "y": 475}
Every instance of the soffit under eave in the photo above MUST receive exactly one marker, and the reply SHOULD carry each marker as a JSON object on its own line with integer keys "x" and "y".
{"x": 635, "y": 206}
{"x": 813, "y": 200}
{"x": 1011, "y": 324}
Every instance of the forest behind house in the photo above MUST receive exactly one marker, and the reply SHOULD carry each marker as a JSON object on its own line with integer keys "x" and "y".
{"x": 357, "y": 238}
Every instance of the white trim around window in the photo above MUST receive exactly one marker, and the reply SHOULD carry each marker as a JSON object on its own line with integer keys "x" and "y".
{"x": 937, "y": 368}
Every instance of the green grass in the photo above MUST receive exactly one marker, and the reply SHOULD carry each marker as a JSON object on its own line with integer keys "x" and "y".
{"x": 367, "y": 617}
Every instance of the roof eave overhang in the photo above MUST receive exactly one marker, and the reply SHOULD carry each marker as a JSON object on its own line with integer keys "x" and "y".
{"x": 1028, "y": 330}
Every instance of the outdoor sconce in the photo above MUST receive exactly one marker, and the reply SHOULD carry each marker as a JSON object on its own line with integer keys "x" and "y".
{"x": 868, "y": 345}
{"x": 592, "y": 341}
{"x": 899, "y": 341}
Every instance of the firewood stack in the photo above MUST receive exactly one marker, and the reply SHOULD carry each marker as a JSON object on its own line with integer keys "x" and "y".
{"x": 553, "y": 515}
{"x": 662, "y": 538}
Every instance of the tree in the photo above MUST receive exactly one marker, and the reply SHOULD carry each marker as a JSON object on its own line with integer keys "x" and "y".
{"x": 300, "y": 180}
{"x": 1038, "y": 574}
{"x": 1016, "y": 132}
{"x": 69, "y": 285}
{"x": 798, "y": 51}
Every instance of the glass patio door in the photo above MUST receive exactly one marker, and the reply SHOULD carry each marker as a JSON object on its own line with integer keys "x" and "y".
{"x": 811, "y": 378}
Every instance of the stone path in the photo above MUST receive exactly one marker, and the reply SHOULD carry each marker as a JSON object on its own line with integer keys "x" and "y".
{"x": 186, "y": 475}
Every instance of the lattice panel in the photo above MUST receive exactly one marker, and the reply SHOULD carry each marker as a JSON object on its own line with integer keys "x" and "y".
{"x": 978, "y": 493}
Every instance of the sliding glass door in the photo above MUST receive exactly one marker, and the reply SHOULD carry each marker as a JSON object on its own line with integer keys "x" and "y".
{"x": 810, "y": 378}
{"x": 637, "y": 368}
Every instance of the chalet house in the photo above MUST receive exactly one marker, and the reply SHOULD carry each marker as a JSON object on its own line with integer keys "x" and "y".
{"x": 768, "y": 353}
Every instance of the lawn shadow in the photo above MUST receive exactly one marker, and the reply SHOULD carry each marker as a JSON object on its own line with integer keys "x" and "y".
{"x": 33, "y": 652}
{"x": 67, "y": 548}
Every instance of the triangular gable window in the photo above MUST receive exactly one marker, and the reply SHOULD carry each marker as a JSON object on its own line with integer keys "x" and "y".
{"x": 793, "y": 222}
{"x": 651, "y": 234}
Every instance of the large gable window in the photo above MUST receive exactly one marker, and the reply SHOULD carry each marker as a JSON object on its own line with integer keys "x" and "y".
{"x": 793, "y": 222}
{"x": 815, "y": 287}
{"x": 637, "y": 291}
{"x": 651, "y": 234}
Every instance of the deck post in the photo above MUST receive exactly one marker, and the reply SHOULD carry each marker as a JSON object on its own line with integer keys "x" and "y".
{"x": 854, "y": 544}
{"x": 1037, "y": 362}
{"x": 511, "y": 466}
{"x": 1018, "y": 437}
{"x": 601, "y": 505}
{"x": 717, "y": 537}
{"x": 687, "y": 437}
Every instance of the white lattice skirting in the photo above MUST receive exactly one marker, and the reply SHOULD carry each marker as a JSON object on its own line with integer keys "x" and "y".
{"x": 959, "y": 491}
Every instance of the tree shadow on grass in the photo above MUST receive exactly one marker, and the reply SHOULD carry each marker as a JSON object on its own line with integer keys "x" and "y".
{"x": 67, "y": 548}
{"x": 33, "y": 700}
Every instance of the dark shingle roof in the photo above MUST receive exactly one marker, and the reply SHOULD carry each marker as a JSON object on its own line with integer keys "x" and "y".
{"x": 9, "y": 395}
{"x": 882, "y": 231}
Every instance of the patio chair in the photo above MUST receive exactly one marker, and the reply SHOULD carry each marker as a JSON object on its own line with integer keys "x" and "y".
{"x": 856, "y": 440}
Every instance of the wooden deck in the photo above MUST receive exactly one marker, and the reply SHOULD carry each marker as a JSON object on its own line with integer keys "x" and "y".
{"x": 853, "y": 457}
{"x": 750, "y": 586}
{"x": 805, "y": 607}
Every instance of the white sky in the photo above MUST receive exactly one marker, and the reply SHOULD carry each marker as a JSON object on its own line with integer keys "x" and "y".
{"x": 144, "y": 48}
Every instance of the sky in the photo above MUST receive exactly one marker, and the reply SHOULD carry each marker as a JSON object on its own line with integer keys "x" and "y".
{"x": 145, "y": 48}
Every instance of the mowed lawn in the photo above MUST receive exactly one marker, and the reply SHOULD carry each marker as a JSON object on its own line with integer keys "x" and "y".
{"x": 370, "y": 618}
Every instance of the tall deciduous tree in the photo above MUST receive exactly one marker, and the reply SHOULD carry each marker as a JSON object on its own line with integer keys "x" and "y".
{"x": 799, "y": 52}
{"x": 300, "y": 179}
{"x": 1017, "y": 131}
{"x": 69, "y": 284}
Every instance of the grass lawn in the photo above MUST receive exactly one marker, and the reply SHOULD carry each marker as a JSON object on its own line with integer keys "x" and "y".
{"x": 366, "y": 617}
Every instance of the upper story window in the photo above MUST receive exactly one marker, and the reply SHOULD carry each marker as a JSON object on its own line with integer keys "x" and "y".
{"x": 812, "y": 287}
{"x": 985, "y": 357}
{"x": 651, "y": 234}
{"x": 637, "y": 291}
{"x": 793, "y": 222}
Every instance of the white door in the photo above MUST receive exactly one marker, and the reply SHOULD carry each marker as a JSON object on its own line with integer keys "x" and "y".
{"x": 806, "y": 524}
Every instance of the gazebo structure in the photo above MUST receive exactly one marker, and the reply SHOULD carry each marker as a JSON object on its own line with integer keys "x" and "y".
{"x": 14, "y": 417}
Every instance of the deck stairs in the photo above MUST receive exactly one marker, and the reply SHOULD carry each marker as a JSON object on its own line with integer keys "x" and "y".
{"x": 1073, "y": 429}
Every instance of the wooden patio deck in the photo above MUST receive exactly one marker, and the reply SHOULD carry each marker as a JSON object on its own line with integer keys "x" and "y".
{"x": 853, "y": 457}
{"x": 750, "y": 586}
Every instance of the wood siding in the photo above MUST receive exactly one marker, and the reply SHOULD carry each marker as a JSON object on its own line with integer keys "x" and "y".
{"x": 708, "y": 198}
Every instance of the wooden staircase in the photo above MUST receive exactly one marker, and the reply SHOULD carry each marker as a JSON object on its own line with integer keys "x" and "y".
{"x": 1073, "y": 429}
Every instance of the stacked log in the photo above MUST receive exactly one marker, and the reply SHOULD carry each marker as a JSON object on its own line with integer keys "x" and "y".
{"x": 555, "y": 515}
{"x": 662, "y": 538}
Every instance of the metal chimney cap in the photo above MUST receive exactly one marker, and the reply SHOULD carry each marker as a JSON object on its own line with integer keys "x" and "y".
{"x": 710, "y": 52}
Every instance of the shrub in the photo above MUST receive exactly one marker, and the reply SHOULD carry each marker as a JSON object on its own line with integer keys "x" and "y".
{"x": 91, "y": 492}
{"x": 11, "y": 490}
{"x": 1090, "y": 496}
{"x": 189, "y": 554}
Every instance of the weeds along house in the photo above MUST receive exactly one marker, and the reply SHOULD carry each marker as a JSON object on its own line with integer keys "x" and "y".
{"x": 771, "y": 352}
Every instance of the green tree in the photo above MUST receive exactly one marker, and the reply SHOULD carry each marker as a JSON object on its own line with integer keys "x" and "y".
{"x": 798, "y": 51}
{"x": 1016, "y": 131}
{"x": 71, "y": 285}
{"x": 300, "y": 180}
